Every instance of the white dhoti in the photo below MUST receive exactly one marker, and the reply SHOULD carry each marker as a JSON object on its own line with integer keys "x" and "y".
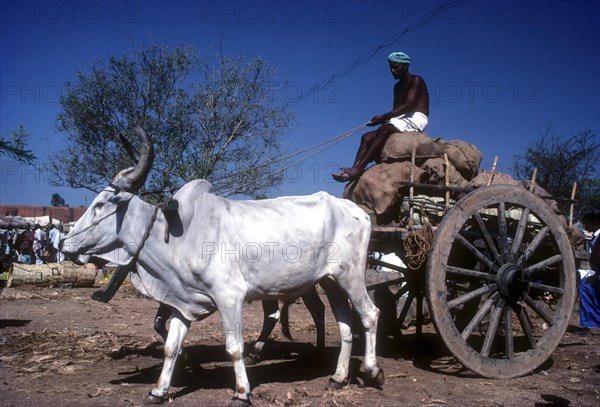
{"x": 414, "y": 121}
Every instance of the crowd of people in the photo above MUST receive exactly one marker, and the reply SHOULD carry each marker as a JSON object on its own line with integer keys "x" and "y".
{"x": 32, "y": 246}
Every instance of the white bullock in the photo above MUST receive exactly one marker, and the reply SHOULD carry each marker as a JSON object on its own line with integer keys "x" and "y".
{"x": 223, "y": 252}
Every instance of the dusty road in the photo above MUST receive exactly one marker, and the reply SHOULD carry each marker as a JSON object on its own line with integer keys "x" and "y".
{"x": 60, "y": 348}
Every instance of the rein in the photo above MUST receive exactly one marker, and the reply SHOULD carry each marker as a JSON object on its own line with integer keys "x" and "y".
{"x": 231, "y": 187}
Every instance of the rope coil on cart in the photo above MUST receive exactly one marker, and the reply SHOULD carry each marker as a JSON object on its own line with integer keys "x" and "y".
{"x": 417, "y": 245}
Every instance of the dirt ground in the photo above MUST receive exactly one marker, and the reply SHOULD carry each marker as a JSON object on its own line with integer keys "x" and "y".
{"x": 60, "y": 348}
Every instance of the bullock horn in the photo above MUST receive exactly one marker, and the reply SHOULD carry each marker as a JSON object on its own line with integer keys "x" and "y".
{"x": 131, "y": 150}
{"x": 136, "y": 177}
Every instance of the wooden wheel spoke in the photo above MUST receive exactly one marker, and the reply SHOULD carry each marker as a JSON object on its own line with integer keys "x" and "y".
{"x": 535, "y": 243}
{"x": 483, "y": 311}
{"x": 459, "y": 271}
{"x": 486, "y": 236}
{"x": 534, "y": 306}
{"x": 492, "y": 329}
{"x": 543, "y": 264}
{"x": 403, "y": 290}
{"x": 549, "y": 288}
{"x": 508, "y": 334}
{"x": 520, "y": 231}
{"x": 406, "y": 307}
{"x": 526, "y": 325}
{"x": 480, "y": 256}
{"x": 471, "y": 295}
{"x": 502, "y": 228}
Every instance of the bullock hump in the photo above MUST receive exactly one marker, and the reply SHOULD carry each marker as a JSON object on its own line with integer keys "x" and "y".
{"x": 193, "y": 188}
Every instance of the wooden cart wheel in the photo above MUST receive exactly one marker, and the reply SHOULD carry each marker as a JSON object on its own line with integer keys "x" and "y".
{"x": 501, "y": 281}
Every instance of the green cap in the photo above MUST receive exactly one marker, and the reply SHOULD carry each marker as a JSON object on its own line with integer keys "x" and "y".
{"x": 399, "y": 57}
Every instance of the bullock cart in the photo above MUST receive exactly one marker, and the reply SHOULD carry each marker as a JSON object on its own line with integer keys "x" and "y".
{"x": 495, "y": 265}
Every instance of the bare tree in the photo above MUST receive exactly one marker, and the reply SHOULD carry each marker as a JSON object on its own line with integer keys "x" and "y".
{"x": 560, "y": 162}
{"x": 212, "y": 121}
{"x": 16, "y": 146}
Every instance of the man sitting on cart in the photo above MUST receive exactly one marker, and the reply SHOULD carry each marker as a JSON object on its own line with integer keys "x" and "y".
{"x": 410, "y": 112}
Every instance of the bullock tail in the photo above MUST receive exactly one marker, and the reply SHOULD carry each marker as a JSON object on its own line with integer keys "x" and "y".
{"x": 284, "y": 319}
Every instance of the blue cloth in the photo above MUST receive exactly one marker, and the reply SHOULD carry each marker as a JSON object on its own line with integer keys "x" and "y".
{"x": 399, "y": 57}
{"x": 589, "y": 303}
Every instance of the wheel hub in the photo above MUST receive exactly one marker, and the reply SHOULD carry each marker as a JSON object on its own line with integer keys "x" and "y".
{"x": 513, "y": 282}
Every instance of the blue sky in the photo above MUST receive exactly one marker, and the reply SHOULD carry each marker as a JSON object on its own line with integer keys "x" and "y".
{"x": 498, "y": 72}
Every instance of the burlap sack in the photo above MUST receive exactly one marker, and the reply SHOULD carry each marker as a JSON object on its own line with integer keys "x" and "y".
{"x": 435, "y": 171}
{"x": 465, "y": 157}
{"x": 380, "y": 187}
{"x": 399, "y": 147}
{"x": 481, "y": 180}
{"x": 577, "y": 239}
{"x": 539, "y": 191}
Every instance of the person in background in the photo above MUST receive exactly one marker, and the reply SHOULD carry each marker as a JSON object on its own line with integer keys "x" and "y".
{"x": 8, "y": 247}
{"x": 589, "y": 287}
{"x": 55, "y": 236}
{"x": 39, "y": 239}
{"x": 25, "y": 245}
{"x": 52, "y": 237}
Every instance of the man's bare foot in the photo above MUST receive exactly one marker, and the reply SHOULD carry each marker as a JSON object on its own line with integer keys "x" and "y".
{"x": 347, "y": 174}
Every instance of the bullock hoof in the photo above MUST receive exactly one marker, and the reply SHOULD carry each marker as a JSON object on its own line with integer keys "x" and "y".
{"x": 238, "y": 402}
{"x": 252, "y": 359}
{"x": 376, "y": 381}
{"x": 151, "y": 399}
{"x": 333, "y": 385}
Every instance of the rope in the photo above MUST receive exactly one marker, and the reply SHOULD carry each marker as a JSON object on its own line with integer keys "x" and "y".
{"x": 231, "y": 187}
{"x": 417, "y": 245}
{"x": 146, "y": 236}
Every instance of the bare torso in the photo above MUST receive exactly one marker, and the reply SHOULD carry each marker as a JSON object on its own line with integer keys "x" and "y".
{"x": 410, "y": 95}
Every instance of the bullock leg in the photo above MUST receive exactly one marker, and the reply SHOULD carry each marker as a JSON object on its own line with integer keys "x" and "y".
{"x": 343, "y": 315}
{"x": 177, "y": 332}
{"x": 160, "y": 326}
{"x": 317, "y": 311}
{"x": 270, "y": 318}
{"x": 233, "y": 325}
{"x": 160, "y": 320}
{"x": 271, "y": 314}
{"x": 369, "y": 314}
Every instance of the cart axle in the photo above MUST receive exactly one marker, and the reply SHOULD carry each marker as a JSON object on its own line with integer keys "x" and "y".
{"x": 513, "y": 282}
